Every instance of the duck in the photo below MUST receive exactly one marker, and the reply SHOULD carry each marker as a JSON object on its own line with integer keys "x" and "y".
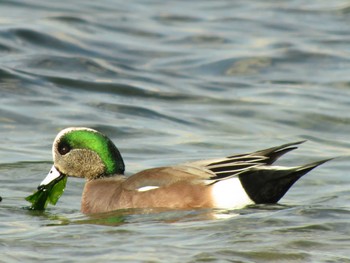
{"x": 232, "y": 182}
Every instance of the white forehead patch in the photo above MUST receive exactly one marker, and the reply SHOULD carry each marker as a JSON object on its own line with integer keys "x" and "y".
{"x": 65, "y": 131}
{"x": 70, "y": 129}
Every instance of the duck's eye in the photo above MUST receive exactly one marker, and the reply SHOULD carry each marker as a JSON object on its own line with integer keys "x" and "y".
{"x": 63, "y": 148}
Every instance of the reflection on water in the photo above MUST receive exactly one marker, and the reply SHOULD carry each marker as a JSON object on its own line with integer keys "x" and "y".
{"x": 170, "y": 82}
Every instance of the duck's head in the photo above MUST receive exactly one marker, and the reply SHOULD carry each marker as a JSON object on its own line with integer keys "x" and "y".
{"x": 83, "y": 152}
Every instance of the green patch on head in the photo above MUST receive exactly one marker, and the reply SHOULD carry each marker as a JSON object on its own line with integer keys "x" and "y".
{"x": 99, "y": 143}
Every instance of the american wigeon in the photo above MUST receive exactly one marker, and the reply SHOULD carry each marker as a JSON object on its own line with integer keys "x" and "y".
{"x": 232, "y": 182}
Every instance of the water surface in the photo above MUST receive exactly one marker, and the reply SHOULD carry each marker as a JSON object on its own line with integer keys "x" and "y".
{"x": 170, "y": 82}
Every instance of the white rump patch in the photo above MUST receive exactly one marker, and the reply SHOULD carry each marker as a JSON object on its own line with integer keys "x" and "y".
{"x": 230, "y": 194}
{"x": 147, "y": 188}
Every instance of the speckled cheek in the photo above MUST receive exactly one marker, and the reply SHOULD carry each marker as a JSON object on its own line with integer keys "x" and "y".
{"x": 80, "y": 163}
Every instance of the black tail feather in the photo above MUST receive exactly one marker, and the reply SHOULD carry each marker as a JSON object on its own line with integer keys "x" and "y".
{"x": 268, "y": 184}
{"x": 274, "y": 153}
{"x": 235, "y": 164}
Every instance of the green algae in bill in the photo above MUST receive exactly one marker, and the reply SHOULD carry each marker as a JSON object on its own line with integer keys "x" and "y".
{"x": 49, "y": 193}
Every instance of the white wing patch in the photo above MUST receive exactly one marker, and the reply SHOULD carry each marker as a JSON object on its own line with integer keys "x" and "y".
{"x": 147, "y": 188}
{"x": 230, "y": 194}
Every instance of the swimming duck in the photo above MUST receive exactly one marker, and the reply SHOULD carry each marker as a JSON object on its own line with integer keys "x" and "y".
{"x": 230, "y": 183}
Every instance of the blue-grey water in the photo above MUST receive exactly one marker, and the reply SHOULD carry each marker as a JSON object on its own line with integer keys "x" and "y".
{"x": 172, "y": 81}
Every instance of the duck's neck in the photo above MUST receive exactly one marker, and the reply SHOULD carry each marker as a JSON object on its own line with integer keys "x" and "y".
{"x": 98, "y": 194}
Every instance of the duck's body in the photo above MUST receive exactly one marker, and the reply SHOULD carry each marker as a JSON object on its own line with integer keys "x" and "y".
{"x": 231, "y": 182}
{"x": 120, "y": 192}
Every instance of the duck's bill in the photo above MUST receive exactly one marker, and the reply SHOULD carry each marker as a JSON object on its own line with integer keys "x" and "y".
{"x": 52, "y": 176}
{"x": 49, "y": 190}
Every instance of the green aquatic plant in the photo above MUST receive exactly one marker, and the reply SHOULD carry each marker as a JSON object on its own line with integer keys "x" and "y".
{"x": 45, "y": 194}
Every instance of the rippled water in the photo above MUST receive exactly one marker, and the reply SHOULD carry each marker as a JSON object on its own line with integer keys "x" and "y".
{"x": 171, "y": 81}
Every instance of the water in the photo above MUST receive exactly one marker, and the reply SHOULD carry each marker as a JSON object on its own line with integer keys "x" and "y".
{"x": 172, "y": 81}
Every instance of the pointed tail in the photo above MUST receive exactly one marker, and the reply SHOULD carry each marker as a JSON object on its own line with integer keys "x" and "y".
{"x": 268, "y": 184}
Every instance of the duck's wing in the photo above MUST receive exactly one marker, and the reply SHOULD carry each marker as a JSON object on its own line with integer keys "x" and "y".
{"x": 262, "y": 181}
{"x": 209, "y": 171}
{"x": 231, "y": 166}
{"x": 163, "y": 176}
